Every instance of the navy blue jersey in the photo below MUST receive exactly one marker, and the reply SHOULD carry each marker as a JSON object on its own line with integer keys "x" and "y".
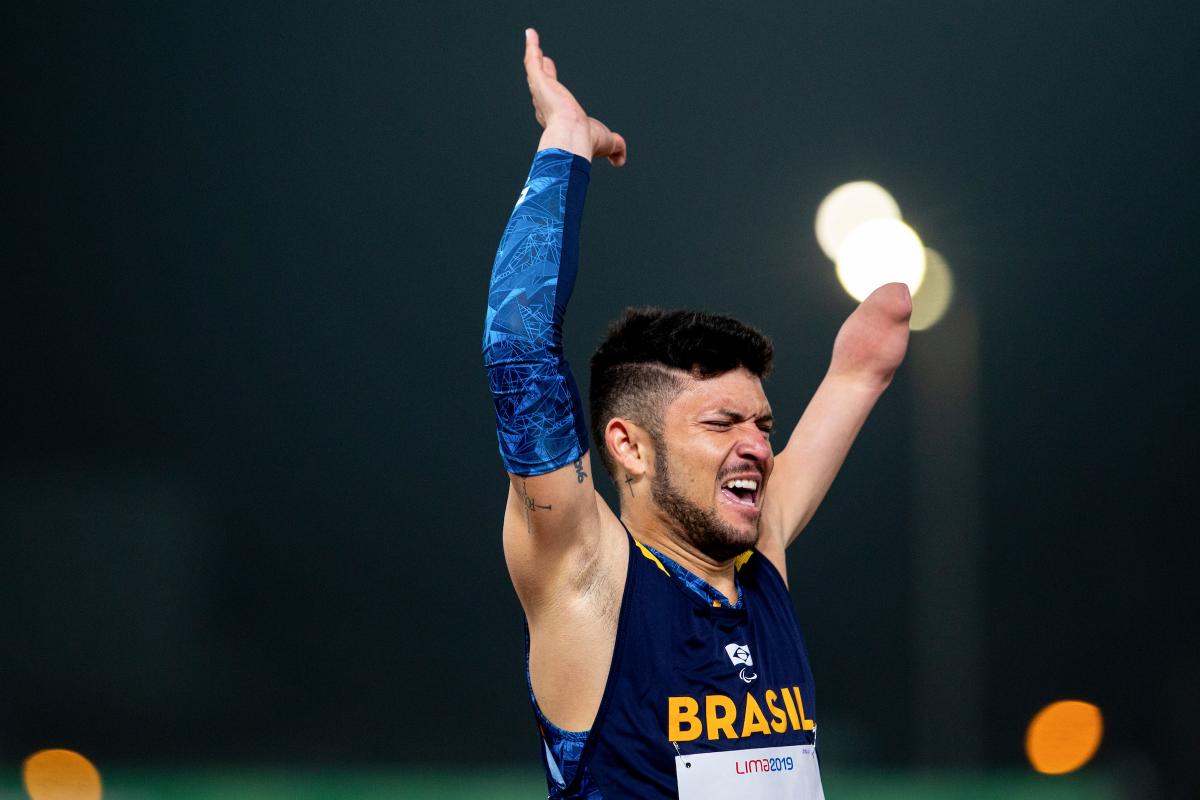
{"x": 690, "y": 675}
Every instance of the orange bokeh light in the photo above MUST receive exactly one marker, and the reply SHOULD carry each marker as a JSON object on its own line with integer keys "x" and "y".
{"x": 1063, "y": 736}
{"x": 60, "y": 775}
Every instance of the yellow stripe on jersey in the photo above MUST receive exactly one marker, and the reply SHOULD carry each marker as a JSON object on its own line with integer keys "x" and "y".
{"x": 651, "y": 556}
{"x": 738, "y": 562}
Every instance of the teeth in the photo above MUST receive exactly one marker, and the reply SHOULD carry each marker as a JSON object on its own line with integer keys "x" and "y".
{"x": 742, "y": 483}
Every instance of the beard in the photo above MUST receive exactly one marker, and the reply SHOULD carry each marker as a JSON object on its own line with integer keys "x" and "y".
{"x": 702, "y": 528}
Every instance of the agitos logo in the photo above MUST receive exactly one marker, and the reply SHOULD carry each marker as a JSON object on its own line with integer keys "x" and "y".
{"x": 724, "y": 719}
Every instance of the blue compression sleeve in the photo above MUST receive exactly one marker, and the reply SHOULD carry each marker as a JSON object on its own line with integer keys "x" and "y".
{"x": 539, "y": 417}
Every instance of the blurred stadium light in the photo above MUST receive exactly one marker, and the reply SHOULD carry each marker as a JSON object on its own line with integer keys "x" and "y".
{"x": 60, "y": 775}
{"x": 880, "y": 251}
{"x": 937, "y": 290}
{"x": 1064, "y": 736}
{"x": 847, "y": 207}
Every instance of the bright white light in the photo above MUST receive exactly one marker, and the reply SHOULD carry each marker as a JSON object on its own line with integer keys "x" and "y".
{"x": 847, "y": 207}
{"x": 877, "y": 252}
{"x": 937, "y": 290}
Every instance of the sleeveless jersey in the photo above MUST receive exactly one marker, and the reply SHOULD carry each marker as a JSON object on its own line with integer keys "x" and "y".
{"x": 689, "y": 677}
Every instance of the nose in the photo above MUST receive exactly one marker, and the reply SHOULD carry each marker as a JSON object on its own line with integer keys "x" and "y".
{"x": 754, "y": 445}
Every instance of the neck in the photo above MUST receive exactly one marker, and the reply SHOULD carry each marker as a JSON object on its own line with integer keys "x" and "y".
{"x": 652, "y": 528}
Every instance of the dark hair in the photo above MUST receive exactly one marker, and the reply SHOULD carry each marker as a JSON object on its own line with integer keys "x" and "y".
{"x": 633, "y": 369}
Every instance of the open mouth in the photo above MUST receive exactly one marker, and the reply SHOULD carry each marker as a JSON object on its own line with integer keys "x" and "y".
{"x": 743, "y": 491}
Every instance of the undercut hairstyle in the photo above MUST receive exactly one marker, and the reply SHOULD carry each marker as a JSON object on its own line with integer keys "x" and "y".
{"x": 635, "y": 370}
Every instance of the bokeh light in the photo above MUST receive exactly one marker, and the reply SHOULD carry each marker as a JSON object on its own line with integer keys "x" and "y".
{"x": 1063, "y": 736}
{"x": 880, "y": 251}
{"x": 847, "y": 207}
{"x": 61, "y": 775}
{"x": 937, "y": 290}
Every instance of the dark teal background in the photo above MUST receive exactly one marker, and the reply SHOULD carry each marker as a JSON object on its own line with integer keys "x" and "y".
{"x": 249, "y": 493}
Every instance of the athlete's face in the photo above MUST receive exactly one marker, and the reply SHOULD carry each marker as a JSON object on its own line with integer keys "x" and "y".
{"x": 714, "y": 460}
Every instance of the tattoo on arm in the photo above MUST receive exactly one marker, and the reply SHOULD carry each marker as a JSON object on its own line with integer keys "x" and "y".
{"x": 580, "y": 475}
{"x": 530, "y": 503}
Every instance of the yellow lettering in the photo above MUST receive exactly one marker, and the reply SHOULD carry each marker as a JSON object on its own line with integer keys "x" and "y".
{"x": 805, "y": 721}
{"x": 683, "y": 719}
{"x": 778, "y": 721}
{"x": 791, "y": 708}
{"x": 755, "y": 722}
{"x": 720, "y": 724}
{"x": 721, "y": 716}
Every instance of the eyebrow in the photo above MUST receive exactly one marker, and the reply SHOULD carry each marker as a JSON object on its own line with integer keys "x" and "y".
{"x": 738, "y": 417}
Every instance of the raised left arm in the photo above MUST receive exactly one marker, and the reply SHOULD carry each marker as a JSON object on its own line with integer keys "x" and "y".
{"x": 866, "y": 353}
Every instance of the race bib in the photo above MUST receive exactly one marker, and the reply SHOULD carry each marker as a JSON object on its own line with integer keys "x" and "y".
{"x": 766, "y": 773}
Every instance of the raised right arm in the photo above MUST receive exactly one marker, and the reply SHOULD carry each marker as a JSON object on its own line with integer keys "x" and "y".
{"x": 553, "y": 510}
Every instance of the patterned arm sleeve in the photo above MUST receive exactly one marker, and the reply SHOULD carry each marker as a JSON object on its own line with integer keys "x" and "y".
{"x": 539, "y": 417}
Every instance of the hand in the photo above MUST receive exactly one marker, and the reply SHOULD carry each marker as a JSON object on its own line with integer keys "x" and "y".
{"x": 872, "y": 340}
{"x": 567, "y": 125}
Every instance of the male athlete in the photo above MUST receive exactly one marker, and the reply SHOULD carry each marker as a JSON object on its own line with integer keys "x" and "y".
{"x": 664, "y": 658}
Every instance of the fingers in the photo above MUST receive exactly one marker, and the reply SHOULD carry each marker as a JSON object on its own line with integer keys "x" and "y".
{"x": 536, "y": 62}
{"x": 618, "y": 155}
{"x": 533, "y": 55}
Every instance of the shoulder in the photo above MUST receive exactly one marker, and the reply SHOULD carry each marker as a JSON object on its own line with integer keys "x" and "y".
{"x": 771, "y": 551}
{"x": 754, "y": 566}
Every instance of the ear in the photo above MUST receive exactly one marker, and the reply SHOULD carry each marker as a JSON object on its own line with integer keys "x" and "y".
{"x": 630, "y": 446}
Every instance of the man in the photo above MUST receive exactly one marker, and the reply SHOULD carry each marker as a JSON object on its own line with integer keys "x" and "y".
{"x": 664, "y": 659}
